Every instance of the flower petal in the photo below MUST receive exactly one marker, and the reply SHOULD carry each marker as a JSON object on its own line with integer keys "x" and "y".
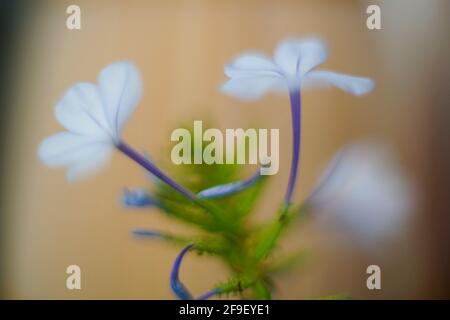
{"x": 81, "y": 154}
{"x": 94, "y": 158}
{"x": 251, "y": 65}
{"x": 251, "y": 88}
{"x": 120, "y": 88}
{"x": 351, "y": 84}
{"x": 297, "y": 57}
{"x": 80, "y": 111}
{"x": 365, "y": 192}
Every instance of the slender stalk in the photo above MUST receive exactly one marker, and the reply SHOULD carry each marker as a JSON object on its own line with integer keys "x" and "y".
{"x": 177, "y": 286}
{"x": 145, "y": 163}
{"x": 215, "y": 211}
{"x": 296, "y": 139}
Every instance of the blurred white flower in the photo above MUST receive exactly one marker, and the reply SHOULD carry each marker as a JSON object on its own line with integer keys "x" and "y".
{"x": 253, "y": 74}
{"x": 364, "y": 193}
{"x": 94, "y": 116}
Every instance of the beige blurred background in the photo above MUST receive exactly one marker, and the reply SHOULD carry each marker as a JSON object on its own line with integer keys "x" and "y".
{"x": 180, "y": 48}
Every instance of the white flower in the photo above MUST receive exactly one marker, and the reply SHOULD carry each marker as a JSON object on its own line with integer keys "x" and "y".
{"x": 94, "y": 116}
{"x": 364, "y": 192}
{"x": 253, "y": 74}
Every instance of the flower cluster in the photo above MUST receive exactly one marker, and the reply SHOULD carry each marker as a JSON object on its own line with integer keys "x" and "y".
{"x": 94, "y": 116}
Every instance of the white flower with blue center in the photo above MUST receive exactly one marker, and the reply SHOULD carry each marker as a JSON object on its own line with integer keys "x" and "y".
{"x": 254, "y": 74}
{"x": 292, "y": 68}
{"x": 94, "y": 116}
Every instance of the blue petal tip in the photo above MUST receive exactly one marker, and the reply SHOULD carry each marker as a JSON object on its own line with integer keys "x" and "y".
{"x": 146, "y": 233}
{"x": 139, "y": 198}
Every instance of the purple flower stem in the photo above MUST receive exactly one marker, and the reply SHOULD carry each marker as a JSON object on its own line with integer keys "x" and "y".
{"x": 142, "y": 161}
{"x": 296, "y": 139}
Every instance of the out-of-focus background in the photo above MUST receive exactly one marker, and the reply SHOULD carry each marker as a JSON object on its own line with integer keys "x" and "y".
{"x": 180, "y": 48}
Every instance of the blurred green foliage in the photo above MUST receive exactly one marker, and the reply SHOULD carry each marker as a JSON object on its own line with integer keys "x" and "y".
{"x": 224, "y": 227}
